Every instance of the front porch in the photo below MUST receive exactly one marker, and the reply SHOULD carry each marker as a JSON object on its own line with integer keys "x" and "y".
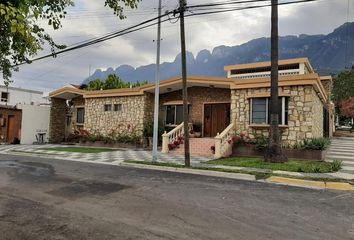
{"x": 217, "y": 147}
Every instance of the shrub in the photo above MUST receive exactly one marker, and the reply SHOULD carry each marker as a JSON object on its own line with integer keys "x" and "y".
{"x": 148, "y": 129}
{"x": 315, "y": 169}
{"x": 261, "y": 142}
{"x": 316, "y": 144}
{"x": 241, "y": 140}
{"x": 336, "y": 165}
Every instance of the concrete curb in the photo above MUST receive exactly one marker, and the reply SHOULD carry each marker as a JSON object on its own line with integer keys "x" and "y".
{"x": 248, "y": 177}
{"x": 210, "y": 173}
{"x": 311, "y": 184}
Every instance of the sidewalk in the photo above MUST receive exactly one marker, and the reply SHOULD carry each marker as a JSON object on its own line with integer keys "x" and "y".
{"x": 104, "y": 157}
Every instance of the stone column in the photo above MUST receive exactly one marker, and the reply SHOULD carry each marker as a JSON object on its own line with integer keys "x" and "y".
{"x": 57, "y": 120}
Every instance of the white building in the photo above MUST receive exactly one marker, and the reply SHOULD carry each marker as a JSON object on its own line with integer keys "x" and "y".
{"x": 32, "y": 123}
{"x": 12, "y": 96}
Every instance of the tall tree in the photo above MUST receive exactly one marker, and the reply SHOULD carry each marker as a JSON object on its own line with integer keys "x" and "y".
{"x": 343, "y": 86}
{"x": 274, "y": 152}
{"x": 22, "y": 37}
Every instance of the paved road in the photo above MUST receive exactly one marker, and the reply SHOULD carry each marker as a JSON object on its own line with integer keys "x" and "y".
{"x": 54, "y": 199}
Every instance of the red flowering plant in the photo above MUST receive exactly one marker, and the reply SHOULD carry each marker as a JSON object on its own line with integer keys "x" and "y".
{"x": 241, "y": 139}
{"x": 171, "y": 146}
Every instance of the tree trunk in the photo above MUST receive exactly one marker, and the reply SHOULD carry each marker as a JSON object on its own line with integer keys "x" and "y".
{"x": 274, "y": 152}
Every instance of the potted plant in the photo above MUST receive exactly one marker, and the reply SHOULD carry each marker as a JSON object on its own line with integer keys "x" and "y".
{"x": 212, "y": 148}
{"x": 191, "y": 133}
{"x": 197, "y": 130}
{"x": 148, "y": 133}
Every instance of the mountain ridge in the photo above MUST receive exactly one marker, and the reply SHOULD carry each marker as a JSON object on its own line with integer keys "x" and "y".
{"x": 327, "y": 53}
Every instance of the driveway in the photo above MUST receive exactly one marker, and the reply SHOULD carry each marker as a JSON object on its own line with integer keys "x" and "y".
{"x": 54, "y": 199}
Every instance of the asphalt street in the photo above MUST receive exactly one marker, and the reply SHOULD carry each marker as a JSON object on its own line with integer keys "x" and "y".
{"x": 55, "y": 199}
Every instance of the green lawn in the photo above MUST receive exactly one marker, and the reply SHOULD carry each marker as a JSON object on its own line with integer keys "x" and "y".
{"x": 79, "y": 149}
{"x": 292, "y": 165}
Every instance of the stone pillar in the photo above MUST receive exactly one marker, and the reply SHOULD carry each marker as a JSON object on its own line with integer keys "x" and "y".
{"x": 165, "y": 142}
{"x": 57, "y": 120}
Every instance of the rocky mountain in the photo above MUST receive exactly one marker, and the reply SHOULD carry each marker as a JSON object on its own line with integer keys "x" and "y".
{"x": 327, "y": 54}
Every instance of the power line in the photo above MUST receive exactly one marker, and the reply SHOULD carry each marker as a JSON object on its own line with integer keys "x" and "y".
{"x": 106, "y": 37}
{"x": 141, "y": 26}
{"x": 248, "y": 7}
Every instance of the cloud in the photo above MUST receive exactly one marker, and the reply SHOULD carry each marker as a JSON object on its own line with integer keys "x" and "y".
{"x": 89, "y": 18}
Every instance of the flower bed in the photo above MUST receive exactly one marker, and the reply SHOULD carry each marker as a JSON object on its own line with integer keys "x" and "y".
{"x": 311, "y": 149}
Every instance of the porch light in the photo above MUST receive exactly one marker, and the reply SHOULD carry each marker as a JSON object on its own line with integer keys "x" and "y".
{"x": 211, "y": 86}
{"x": 169, "y": 89}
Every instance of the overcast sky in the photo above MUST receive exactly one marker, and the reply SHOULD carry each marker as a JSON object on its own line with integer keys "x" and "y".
{"x": 89, "y": 18}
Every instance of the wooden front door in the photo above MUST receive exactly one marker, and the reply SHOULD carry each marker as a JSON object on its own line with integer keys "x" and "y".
{"x": 216, "y": 118}
{"x": 12, "y": 131}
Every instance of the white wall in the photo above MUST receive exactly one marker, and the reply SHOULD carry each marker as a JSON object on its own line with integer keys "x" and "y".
{"x": 34, "y": 119}
{"x": 22, "y": 96}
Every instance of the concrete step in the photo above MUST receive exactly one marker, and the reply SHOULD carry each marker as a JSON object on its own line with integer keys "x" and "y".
{"x": 342, "y": 145}
{"x": 347, "y": 168}
{"x": 345, "y": 154}
{"x": 339, "y": 149}
{"x": 197, "y": 146}
{"x": 340, "y": 157}
{"x": 348, "y": 163}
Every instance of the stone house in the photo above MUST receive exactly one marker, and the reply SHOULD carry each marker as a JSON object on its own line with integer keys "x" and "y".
{"x": 237, "y": 103}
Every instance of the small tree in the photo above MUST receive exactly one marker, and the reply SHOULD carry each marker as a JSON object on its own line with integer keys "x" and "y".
{"x": 112, "y": 82}
{"x": 343, "y": 86}
{"x": 347, "y": 108}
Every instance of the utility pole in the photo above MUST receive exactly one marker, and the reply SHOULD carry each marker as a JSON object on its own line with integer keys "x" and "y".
{"x": 182, "y": 5}
{"x": 157, "y": 87}
{"x": 274, "y": 153}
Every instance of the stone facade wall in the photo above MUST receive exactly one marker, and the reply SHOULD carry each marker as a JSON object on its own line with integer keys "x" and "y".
{"x": 130, "y": 119}
{"x": 57, "y": 120}
{"x": 327, "y": 84}
{"x": 317, "y": 117}
{"x": 197, "y": 97}
{"x": 149, "y": 107}
{"x": 79, "y": 102}
{"x": 304, "y": 116}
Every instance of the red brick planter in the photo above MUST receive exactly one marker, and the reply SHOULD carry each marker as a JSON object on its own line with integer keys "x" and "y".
{"x": 305, "y": 154}
{"x": 244, "y": 151}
